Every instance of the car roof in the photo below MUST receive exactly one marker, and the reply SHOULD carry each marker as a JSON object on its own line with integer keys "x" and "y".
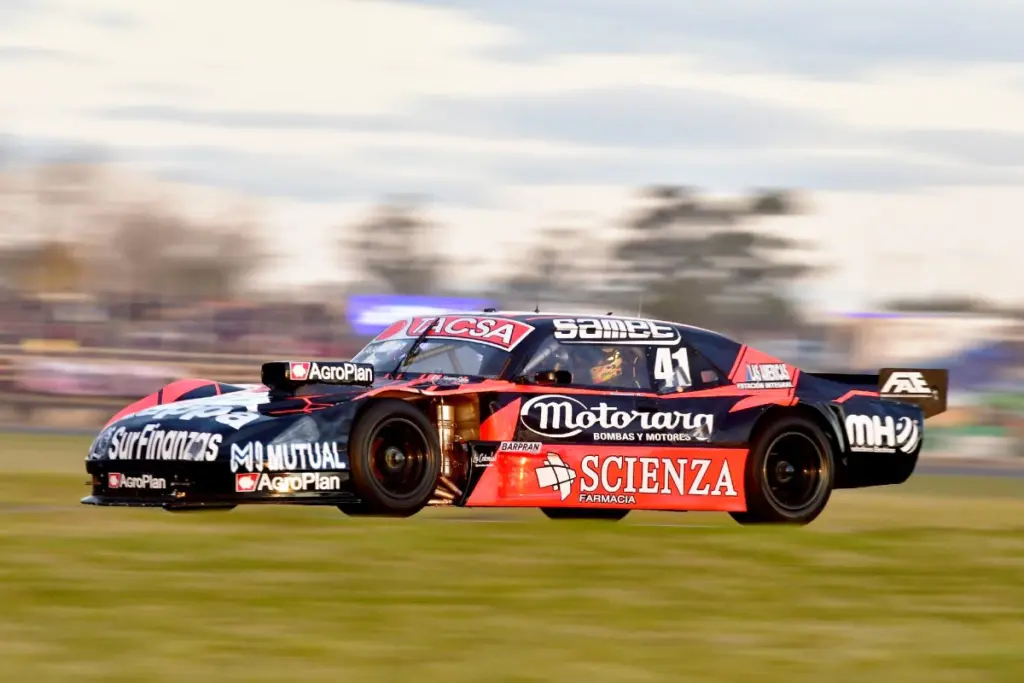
{"x": 527, "y": 316}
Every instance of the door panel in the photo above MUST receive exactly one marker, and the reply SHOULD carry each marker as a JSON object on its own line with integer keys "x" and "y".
{"x": 631, "y": 477}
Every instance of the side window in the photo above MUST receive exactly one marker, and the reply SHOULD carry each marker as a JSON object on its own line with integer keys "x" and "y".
{"x": 613, "y": 366}
{"x": 681, "y": 368}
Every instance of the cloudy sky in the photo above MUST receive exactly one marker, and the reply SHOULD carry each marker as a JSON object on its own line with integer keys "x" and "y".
{"x": 904, "y": 119}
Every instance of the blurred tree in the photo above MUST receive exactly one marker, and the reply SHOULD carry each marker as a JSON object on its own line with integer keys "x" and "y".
{"x": 43, "y": 213}
{"x": 66, "y": 196}
{"x": 553, "y": 268}
{"x": 52, "y": 267}
{"x": 698, "y": 261}
{"x": 395, "y": 249}
{"x": 80, "y": 237}
{"x": 42, "y": 267}
{"x": 154, "y": 252}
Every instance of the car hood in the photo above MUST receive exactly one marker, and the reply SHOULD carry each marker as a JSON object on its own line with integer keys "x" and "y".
{"x": 200, "y": 428}
{"x": 248, "y": 413}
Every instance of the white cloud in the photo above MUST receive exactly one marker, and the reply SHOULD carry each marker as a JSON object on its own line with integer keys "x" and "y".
{"x": 480, "y": 244}
{"x": 361, "y": 58}
{"x": 958, "y": 241}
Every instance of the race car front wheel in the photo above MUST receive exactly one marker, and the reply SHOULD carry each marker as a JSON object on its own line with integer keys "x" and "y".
{"x": 395, "y": 460}
{"x": 789, "y": 474}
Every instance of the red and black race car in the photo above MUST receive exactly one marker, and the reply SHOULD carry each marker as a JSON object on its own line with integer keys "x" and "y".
{"x": 580, "y": 416}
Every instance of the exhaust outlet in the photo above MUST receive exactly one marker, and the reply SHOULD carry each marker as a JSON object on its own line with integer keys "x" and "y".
{"x": 445, "y": 436}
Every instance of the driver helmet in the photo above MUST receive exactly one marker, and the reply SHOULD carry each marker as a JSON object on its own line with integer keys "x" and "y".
{"x": 606, "y": 365}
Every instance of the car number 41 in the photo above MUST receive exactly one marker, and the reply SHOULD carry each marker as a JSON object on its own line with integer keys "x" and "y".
{"x": 672, "y": 367}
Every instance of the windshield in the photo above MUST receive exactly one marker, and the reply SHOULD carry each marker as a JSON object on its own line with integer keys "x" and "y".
{"x": 443, "y": 357}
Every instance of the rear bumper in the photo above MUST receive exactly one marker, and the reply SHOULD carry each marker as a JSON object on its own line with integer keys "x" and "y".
{"x": 861, "y": 470}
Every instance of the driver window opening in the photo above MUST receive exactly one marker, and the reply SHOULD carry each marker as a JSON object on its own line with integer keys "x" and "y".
{"x": 593, "y": 365}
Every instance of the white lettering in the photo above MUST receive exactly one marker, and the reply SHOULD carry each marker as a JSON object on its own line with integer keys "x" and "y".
{"x": 724, "y": 482}
{"x": 154, "y": 443}
{"x": 628, "y": 466}
{"x": 295, "y": 483}
{"x": 881, "y": 434}
{"x": 616, "y": 475}
{"x": 248, "y": 457}
{"x": 323, "y": 456}
{"x": 606, "y": 481}
{"x": 907, "y": 383}
{"x": 236, "y": 416}
{"x": 560, "y": 417}
{"x": 341, "y": 373}
{"x": 677, "y": 476}
{"x": 615, "y": 330}
{"x": 590, "y": 477}
{"x": 606, "y": 499}
{"x": 520, "y": 446}
{"x": 145, "y": 481}
{"x": 767, "y": 376}
{"x": 649, "y": 477}
{"x": 702, "y": 469}
{"x": 115, "y": 443}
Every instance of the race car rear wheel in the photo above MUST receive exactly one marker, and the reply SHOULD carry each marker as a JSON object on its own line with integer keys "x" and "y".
{"x": 790, "y": 473}
{"x": 395, "y": 460}
{"x": 613, "y": 514}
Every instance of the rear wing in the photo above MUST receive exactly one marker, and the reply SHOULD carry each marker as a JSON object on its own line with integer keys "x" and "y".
{"x": 925, "y": 387}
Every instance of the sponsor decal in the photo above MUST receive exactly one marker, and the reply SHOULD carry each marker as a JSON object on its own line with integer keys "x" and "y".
{"x": 443, "y": 379}
{"x": 345, "y": 372}
{"x": 618, "y": 479}
{"x": 248, "y": 399}
{"x": 615, "y": 331}
{"x": 256, "y": 456}
{"x": 520, "y": 447}
{"x": 116, "y": 480}
{"x": 561, "y": 417}
{"x": 235, "y": 415}
{"x": 767, "y": 376}
{"x": 907, "y": 384}
{"x": 154, "y": 443}
{"x": 296, "y": 482}
{"x": 501, "y": 333}
{"x": 672, "y": 368}
{"x": 877, "y": 434}
{"x": 555, "y": 474}
{"x": 483, "y": 459}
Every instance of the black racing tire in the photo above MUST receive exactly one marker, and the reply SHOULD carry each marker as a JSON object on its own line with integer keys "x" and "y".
{"x": 395, "y": 460}
{"x": 199, "y": 508}
{"x": 610, "y": 514}
{"x": 789, "y": 475}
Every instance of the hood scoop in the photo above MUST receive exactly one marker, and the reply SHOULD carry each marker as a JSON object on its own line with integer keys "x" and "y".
{"x": 286, "y": 377}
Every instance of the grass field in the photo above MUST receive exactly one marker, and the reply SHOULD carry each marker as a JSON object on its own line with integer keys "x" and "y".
{"x": 923, "y": 582}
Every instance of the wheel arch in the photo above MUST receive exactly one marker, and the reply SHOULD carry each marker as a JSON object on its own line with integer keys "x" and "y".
{"x": 820, "y": 415}
{"x": 376, "y": 504}
{"x": 419, "y": 401}
{"x": 827, "y": 418}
